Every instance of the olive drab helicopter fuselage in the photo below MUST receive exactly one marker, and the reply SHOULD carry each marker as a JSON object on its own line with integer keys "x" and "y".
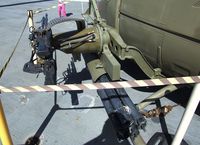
{"x": 167, "y": 32}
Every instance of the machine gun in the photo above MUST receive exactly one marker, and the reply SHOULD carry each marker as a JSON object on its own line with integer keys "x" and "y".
{"x": 43, "y": 45}
{"x": 101, "y": 46}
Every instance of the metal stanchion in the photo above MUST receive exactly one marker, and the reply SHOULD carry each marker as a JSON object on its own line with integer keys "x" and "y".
{"x": 187, "y": 117}
{"x": 31, "y": 28}
{"x": 5, "y": 137}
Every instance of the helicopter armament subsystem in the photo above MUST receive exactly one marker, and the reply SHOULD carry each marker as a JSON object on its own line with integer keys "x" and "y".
{"x": 93, "y": 42}
{"x": 101, "y": 46}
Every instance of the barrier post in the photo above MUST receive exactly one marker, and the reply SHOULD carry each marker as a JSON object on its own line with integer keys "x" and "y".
{"x": 187, "y": 116}
{"x": 5, "y": 137}
{"x": 31, "y": 28}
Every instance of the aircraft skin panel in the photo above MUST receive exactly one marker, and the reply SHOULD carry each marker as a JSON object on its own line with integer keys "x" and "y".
{"x": 179, "y": 16}
{"x": 180, "y": 55}
{"x": 108, "y": 11}
{"x": 146, "y": 38}
{"x": 171, "y": 53}
{"x": 149, "y": 11}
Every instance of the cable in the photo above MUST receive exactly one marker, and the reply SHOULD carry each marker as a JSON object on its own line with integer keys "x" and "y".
{"x": 7, "y": 62}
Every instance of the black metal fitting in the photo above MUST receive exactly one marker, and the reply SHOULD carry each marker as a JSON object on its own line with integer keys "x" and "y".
{"x": 125, "y": 117}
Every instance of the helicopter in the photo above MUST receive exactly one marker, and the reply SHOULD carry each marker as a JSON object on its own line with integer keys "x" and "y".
{"x": 160, "y": 37}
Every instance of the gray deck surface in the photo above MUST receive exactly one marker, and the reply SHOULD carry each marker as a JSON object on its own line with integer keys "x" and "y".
{"x": 31, "y": 113}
